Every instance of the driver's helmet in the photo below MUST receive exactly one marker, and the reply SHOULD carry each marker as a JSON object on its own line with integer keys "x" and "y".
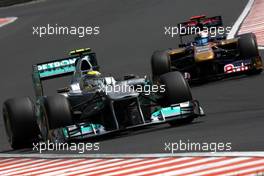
{"x": 202, "y": 38}
{"x": 92, "y": 80}
{"x": 92, "y": 74}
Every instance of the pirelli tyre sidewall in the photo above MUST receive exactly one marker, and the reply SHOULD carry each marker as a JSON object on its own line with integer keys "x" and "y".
{"x": 20, "y": 122}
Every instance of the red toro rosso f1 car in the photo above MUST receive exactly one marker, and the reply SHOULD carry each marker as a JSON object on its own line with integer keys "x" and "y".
{"x": 208, "y": 56}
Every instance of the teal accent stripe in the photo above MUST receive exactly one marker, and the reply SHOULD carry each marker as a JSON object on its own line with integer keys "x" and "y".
{"x": 57, "y": 71}
{"x": 169, "y": 111}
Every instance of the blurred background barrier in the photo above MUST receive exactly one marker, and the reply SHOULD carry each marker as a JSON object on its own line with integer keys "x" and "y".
{"x": 11, "y": 2}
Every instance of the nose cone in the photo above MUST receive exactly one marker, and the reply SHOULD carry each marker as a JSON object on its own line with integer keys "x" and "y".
{"x": 203, "y": 53}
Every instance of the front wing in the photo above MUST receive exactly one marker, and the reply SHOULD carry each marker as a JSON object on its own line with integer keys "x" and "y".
{"x": 230, "y": 67}
{"x": 159, "y": 116}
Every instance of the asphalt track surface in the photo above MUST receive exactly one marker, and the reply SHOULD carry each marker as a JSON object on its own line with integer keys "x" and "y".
{"x": 130, "y": 32}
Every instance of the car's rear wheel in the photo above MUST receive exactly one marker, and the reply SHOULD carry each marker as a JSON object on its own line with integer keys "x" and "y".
{"x": 160, "y": 64}
{"x": 20, "y": 122}
{"x": 177, "y": 90}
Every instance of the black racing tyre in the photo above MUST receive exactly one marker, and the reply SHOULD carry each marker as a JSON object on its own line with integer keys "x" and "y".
{"x": 248, "y": 46}
{"x": 177, "y": 89}
{"x": 160, "y": 64}
{"x": 20, "y": 122}
{"x": 57, "y": 111}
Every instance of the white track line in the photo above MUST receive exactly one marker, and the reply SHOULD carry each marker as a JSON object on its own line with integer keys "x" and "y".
{"x": 240, "y": 19}
{"x": 228, "y": 168}
{"x": 138, "y": 171}
{"x": 90, "y": 168}
{"x": 136, "y": 168}
{"x": 111, "y": 168}
{"x": 82, "y": 164}
{"x": 23, "y": 168}
{"x": 4, "y": 161}
{"x": 12, "y": 19}
{"x": 14, "y": 161}
{"x": 41, "y": 167}
{"x": 187, "y": 170}
{"x": 256, "y": 171}
{"x": 21, "y": 164}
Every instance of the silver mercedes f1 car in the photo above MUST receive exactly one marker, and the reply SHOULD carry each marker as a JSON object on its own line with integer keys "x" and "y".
{"x": 94, "y": 105}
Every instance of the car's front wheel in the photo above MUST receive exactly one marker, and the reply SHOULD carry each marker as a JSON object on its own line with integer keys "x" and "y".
{"x": 177, "y": 90}
{"x": 248, "y": 47}
{"x": 56, "y": 114}
{"x": 160, "y": 64}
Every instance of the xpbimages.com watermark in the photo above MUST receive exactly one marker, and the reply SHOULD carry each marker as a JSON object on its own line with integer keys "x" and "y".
{"x": 191, "y": 146}
{"x": 126, "y": 89}
{"x": 145, "y": 89}
{"x": 76, "y": 147}
{"x": 173, "y": 31}
{"x": 79, "y": 31}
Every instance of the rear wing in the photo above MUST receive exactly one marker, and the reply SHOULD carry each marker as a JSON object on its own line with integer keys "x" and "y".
{"x": 50, "y": 70}
{"x": 59, "y": 68}
{"x": 56, "y": 68}
{"x": 199, "y": 23}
